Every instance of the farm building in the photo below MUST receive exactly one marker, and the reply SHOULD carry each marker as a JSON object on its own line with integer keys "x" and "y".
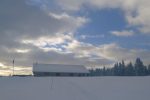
{"x": 59, "y": 70}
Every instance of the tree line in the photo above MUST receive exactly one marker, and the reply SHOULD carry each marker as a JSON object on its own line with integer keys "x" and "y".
{"x": 120, "y": 69}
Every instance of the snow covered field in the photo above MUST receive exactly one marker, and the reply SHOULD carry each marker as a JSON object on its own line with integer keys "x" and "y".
{"x": 75, "y": 88}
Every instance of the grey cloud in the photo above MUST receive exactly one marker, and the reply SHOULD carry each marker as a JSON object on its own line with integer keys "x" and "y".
{"x": 108, "y": 53}
{"x": 20, "y": 20}
{"x": 136, "y": 12}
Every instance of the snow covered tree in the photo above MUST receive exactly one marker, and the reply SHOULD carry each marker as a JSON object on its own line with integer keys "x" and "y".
{"x": 148, "y": 69}
{"x": 129, "y": 70}
{"x": 140, "y": 69}
{"x": 116, "y": 70}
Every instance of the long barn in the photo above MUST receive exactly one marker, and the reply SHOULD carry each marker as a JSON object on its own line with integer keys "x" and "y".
{"x": 59, "y": 70}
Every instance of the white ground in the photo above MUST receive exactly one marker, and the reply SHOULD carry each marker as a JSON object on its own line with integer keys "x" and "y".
{"x": 75, "y": 88}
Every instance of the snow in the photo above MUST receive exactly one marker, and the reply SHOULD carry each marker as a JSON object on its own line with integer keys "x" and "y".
{"x": 59, "y": 68}
{"x": 74, "y": 88}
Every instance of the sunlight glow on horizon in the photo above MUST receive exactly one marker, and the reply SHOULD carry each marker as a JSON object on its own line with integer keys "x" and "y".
{"x": 18, "y": 70}
{"x": 1, "y": 65}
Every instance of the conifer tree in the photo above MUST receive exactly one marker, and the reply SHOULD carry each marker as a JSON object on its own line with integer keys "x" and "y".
{"x": 140, "y": 69}
{"x": 148, "y": 69}
{"x": 129, "y": 70}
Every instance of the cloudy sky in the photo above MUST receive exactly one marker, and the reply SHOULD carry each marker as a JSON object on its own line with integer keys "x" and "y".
{"x": 87, "y": 32}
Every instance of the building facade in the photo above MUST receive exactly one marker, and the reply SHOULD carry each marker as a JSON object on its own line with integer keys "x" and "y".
{"x": 59, "y": 70}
